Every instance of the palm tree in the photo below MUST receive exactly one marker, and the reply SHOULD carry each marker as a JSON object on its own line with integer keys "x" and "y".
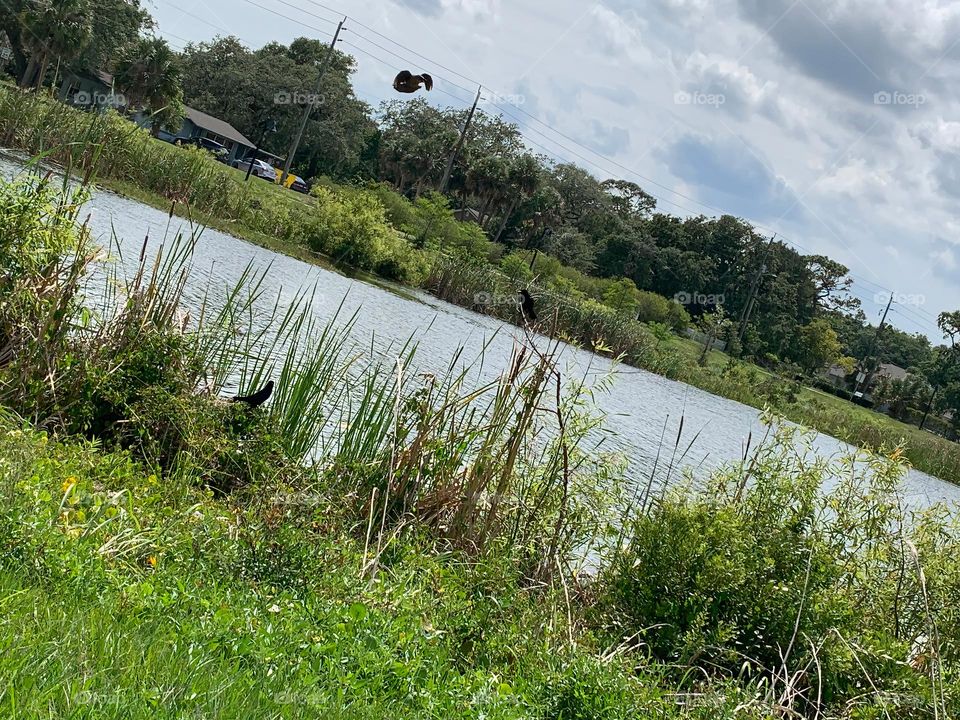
{"x": 53, "y": 30}
{"x": 149, "y": 77}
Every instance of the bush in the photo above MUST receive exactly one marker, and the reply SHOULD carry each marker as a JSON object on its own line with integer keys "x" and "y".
{"x": 352, "y": 227}
{"x": 517, "y": 269}
{"x": 762, "y": 581}
{"x": 654, "y": 308}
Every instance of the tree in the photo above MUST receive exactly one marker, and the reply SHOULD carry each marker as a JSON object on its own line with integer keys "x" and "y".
{"x": 949, "y": 323}
{"x": 416, "y": 140}
{"x": 832, "y": 284}
{"x": 12, "y": 27}
{"x": 818, "y": 345}
{"x": 573, "y": 248}
{"x": 713, "y": 325}
{"x": 52, "y": 31}
{"x": 622, "y": 297}
{"x": 946, "y": 368}
{"x": 118, "y": 24}
{"x": 902, "y": 394}
{"x": 149, "y": 77}
{"x": 629, "y": 200}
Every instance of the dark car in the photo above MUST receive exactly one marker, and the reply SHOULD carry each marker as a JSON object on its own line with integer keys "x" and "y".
{"x": 300, "y": 185}
{"x": 219, "y": 151}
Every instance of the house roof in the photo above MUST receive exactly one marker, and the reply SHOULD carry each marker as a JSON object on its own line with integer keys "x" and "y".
{"x": 216, "y": 126}
{"x": 894, "y": 372}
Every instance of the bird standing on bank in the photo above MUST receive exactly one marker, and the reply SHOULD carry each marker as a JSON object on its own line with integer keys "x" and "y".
{"x": 407, "y": 82}
{"x": 526, "y": 306}
{"x": 258, "y": 398}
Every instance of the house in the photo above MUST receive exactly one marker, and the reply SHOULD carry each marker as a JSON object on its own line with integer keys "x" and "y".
{"x": 467, "y": 215}
{"x": 890, "y": 372}
{"x": 836, "y": 375}
{"x": 91, "y": 91}
{"x": 198, "y": 124}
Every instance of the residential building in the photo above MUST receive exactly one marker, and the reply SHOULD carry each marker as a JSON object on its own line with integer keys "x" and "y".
{"x": 197, "y": 124}
{"x": 91, "y": 91}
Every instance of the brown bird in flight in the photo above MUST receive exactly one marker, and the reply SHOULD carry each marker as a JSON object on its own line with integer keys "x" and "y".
{"x": 406, "y": 82}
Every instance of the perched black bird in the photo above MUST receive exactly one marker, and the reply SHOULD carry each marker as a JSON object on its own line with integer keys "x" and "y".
{"x": 258, "y": 398}
{"x": 526, "y": 306}
{"x": 407, "y": 82}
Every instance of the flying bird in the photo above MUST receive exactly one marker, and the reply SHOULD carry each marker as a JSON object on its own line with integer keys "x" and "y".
{"x": 258, "y": 398}
{"x": 407, "y": 82}
{"x": 526, "y": 306}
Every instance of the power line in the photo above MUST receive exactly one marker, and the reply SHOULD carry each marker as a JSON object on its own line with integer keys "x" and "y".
{"x": 200, "y": 19}
{"x": 307, "y": 12}
{"x": 433, "y": 63}
{"x": 287, "y": 17}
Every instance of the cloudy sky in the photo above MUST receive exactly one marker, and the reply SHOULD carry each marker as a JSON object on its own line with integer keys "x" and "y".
{"x": 835, "y": 123}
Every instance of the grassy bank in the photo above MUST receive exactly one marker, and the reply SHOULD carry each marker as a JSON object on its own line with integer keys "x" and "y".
{"x": 372, "y": 545}
{"x": 374, "y": 231}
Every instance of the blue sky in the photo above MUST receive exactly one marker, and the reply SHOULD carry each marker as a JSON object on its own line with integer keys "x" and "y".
{"x": 831, "y": 122}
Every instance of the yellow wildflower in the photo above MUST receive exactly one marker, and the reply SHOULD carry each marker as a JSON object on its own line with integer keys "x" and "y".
{"x": 68, "y": 483}
{"x": 152, "y": 560}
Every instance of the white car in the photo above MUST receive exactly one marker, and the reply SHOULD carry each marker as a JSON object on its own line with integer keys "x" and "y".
{"x": 260, "y": 168}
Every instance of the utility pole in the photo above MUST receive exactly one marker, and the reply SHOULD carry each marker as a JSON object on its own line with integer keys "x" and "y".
{"x": 456, "y": 148}
{"x": 309, "y": 106}
{"x": 754, "y": 288}
{"x": 861, "y": 376}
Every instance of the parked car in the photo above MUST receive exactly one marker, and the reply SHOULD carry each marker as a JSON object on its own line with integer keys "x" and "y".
{"x": 294, "y": 182}
{"x": 219, "y": 151}
{"x": 300, "y": 185}
{"x": 261, "y": 169}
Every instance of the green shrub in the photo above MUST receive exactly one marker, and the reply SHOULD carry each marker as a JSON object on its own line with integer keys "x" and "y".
{"x": 652, "y": 308}
{"x": 352, "y": 227}
{"x": 517, "y": 269}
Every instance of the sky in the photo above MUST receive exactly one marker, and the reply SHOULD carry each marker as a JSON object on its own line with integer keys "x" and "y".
{"x": 834, "y": 123}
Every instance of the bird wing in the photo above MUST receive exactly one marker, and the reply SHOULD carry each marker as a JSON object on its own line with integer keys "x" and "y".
{"x": 427, "y": 81}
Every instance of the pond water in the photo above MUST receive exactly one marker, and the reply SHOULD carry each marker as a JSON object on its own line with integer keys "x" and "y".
{"x": 639, "y": 405}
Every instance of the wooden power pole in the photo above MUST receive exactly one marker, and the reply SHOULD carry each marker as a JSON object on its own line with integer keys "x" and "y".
{"x": 309, "y": 105}
{"x": 754, "y": 287}
{"x": 456, "y": 148}
{"x": 862, "y": 376}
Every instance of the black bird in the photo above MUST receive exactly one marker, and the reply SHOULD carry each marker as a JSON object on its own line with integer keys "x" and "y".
{"x": 407, "y": 82}
{"x": 258, "y": 398}
{"x": 526, "y": 306}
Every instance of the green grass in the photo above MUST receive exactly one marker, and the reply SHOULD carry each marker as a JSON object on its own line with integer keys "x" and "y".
{"x": 127, "y": 597}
